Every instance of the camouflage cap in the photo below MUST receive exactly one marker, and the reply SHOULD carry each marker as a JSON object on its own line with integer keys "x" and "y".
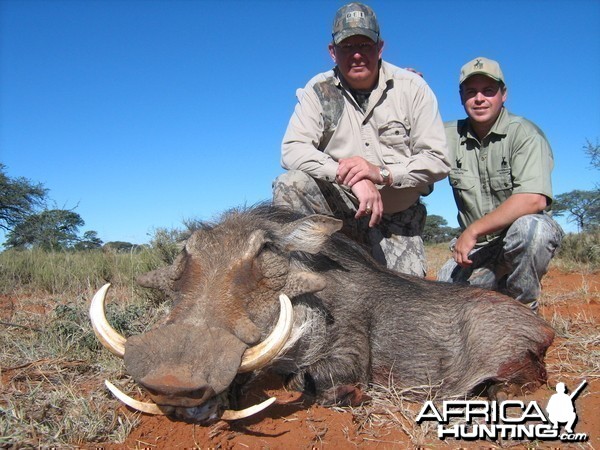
{"x": 353, "y": 19}
{"x": 481, "y": 66}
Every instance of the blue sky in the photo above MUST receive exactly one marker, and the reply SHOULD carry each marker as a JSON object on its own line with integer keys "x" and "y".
{"x": 144, "y": 113}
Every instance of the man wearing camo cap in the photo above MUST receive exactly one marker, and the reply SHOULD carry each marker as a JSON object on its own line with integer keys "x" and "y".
{"x": 365, "y": 142}
{"x": 500, "y": 177}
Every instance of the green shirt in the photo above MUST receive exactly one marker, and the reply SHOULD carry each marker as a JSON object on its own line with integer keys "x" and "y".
{"x": 513, "y": 158}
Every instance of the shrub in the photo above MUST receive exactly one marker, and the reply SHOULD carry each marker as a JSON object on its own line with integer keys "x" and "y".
{"x": 581, "y": 248}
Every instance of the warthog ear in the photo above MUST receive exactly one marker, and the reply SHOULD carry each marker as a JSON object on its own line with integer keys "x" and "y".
{"x": 164, "y": 277}
{"x": 309, "y": 233}
{"x": 299, "y": 283}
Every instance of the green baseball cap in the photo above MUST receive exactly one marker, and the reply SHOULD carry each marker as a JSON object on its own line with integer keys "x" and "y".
{"x": 481, "y": 66}
{"x": 353, "y": 19}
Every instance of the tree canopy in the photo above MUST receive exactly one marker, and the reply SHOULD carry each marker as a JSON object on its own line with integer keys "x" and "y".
{"x": 54, "y": 229}
{"x": 437, "y": 230}
{"x": 28, "y": 223}
{"x": 582, "y": 207}
{"x": 90, "y": 241}
{"x": 19, "y": 198}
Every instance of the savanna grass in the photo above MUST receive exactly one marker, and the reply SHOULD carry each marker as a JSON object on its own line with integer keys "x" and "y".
{"x": 59, "y": 272}
{"x": 52, "y": 367}
{"x": 579, "y": 252}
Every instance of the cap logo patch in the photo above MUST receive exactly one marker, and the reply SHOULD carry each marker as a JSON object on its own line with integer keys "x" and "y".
{"x": 353, "y": 15}
{"x": 478, "y": 64}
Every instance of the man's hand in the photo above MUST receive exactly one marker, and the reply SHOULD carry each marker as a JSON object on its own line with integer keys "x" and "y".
{"x": 464, "y": 244}
{"x": 369, "y": 200}
{"x": 515, "y": 206}
{"x": 352, "y": 170}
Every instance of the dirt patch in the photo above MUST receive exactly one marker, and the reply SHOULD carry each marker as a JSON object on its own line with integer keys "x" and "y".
{"x": 571, "y": 302}
{"x": 7, "y": 308}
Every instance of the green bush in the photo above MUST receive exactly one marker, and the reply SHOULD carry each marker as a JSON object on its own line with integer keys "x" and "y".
{"x": 581, "y": 248}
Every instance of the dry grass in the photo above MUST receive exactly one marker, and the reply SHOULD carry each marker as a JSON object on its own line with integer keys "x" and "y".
{"x": 51, "y": 365}
{"x": 437, "y": 255}
{"x": 577, "y": 348}
{"x": 52, "y": 368}
{"x": 389, "y": 408}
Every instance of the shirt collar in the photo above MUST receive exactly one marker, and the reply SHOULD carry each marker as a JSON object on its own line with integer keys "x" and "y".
{"x": 499, "y": 128}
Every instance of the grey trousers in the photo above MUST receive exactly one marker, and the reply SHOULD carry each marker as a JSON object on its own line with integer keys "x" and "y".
{"x": 514, "y": 263}
{"x": 395, "y": 242}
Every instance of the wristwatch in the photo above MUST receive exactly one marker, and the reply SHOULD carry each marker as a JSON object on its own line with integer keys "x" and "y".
{"x": 385, "y": 174}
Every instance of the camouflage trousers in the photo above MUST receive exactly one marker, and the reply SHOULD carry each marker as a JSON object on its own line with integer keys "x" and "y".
{"x": 514, "y": 263}
{"x": 395, "y": 242}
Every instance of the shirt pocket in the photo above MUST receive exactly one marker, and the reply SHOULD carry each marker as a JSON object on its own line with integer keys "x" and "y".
{"x": 501, "y": 186}
{"x": 394, "y": 137}
{"x": 465, "y": 192}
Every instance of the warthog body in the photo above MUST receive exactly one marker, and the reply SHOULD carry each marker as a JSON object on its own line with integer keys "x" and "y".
{"x": 355, "y": 322}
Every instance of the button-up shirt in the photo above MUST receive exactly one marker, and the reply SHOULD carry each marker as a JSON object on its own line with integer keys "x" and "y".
{"x": 400, "y": 128}
{"x": 514, "y": 157}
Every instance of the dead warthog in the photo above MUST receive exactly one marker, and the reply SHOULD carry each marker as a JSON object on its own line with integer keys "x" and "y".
{"x": 265, "y": 288}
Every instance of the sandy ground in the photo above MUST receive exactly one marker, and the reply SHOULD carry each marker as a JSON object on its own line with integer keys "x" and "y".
{"x": 570, "y": 300}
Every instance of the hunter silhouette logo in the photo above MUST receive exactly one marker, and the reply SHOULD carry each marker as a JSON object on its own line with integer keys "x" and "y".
{"x": 561, "y": 406}
{"x": 509, "y": 419}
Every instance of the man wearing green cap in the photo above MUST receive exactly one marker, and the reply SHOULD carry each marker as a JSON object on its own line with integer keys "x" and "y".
{"x": 365, "y": 142}
{"x": 500, "y": 177}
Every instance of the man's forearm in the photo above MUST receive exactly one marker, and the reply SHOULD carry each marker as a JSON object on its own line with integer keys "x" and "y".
{"x": 517, "y": 205}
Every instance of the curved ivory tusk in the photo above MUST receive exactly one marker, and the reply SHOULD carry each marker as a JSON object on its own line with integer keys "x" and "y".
{"x": 230, "y": 414}
{"x": 152, "y": 408}
{"x": 261, "y": 354}
{"x": 148, "y": 408}
{"x": 106, "y": 334}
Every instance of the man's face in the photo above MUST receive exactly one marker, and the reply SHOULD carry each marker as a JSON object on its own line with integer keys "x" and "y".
{"x": 482, "y": 99}
{"x": 357, "y": 58}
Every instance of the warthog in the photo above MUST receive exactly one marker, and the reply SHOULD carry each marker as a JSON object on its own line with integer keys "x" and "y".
{"x": 341, "y": 321}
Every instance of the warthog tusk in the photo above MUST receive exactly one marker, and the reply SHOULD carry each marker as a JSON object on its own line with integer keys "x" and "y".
{"x": 230, "y": 414}
{"x": 148, "y": 408}
{"x": 106, "y": 334}
{"x": 152, "y": 408}
{"x": 261, "y": 354}
{"x": 254, "y": 358}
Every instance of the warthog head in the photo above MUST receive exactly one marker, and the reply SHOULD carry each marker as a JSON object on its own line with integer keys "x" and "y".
{"x": 231, "y": 312}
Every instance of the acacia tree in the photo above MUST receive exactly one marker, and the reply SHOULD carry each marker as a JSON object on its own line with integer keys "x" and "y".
{"x": 26, "y": 227}
{"x": 89, "y": 241}
{"x": 19, "y": 198}
{"x": 54, "y": 229}
{"x": 593, "y": 151}
{"x": 437, "y": 230}
{"x": 582, "y": 207}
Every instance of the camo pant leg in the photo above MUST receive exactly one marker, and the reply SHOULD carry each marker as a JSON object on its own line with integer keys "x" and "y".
{"x": 529, "y": 245}
{"x": 396, "y": 242}
{"x": 482, "y": 273}
{"x": 515, "y": 262}
{"x": 307, "y": 195}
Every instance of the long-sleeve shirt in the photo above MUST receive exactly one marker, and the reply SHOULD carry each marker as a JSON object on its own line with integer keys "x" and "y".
{"x": 400, "y": 128}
